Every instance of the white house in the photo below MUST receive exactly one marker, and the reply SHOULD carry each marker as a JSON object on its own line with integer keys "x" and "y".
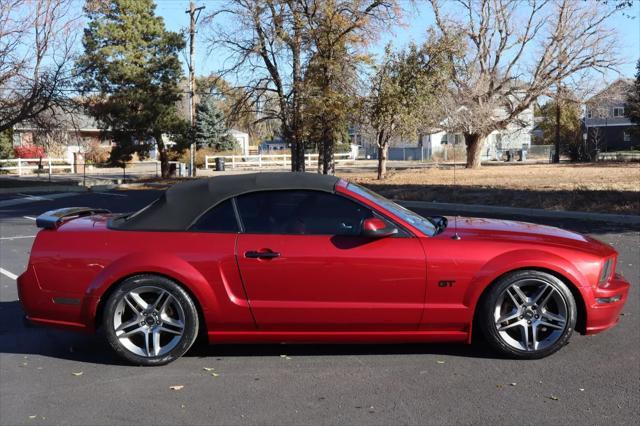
{"x": 514, "y": 136}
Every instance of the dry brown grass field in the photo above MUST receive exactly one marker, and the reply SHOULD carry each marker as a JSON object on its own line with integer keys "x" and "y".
{"x": 612, "y": 188}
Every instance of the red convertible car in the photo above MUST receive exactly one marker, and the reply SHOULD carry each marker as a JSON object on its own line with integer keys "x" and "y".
{"x": 283, "y": 257}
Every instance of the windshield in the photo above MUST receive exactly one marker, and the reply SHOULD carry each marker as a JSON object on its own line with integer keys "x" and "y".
{"x": 423, "y": 224}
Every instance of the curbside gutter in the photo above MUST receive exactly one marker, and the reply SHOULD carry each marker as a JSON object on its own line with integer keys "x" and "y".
{"x": 526, "y": 212}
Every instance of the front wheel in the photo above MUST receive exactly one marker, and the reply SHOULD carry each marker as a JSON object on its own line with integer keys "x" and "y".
{"x": 528, "y": 314}
{"x": 150, "y": 320}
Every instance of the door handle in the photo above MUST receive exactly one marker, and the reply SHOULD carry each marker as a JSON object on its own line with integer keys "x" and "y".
{"x": 261, "y": 254}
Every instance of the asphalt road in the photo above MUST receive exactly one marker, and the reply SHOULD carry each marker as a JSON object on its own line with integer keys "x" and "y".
{"x": 56, "y": 377}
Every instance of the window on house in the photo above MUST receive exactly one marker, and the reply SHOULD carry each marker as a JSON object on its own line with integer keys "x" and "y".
{"x": 618, "y": 111}
{"x": 589, "y": 114}
{"x": 626, "y": 135}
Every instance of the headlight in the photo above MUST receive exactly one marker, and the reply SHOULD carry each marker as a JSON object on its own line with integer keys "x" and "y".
{"x": 606, "y": 271}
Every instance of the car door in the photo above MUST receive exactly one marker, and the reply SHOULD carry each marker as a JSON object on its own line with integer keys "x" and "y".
{"x": 305, "y": 265}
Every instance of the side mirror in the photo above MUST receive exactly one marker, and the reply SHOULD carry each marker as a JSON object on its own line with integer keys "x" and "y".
{"x": 377, "y": 228}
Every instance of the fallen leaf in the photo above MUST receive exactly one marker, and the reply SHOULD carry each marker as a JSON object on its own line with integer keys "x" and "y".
{"x": 513, "y": 384}
{"x": 32, "y": 417}
{"x": 208, "y": 369}
{"x": 285, "y": 356}
{"x": 581, "y": 389}
{"x": 553, "y": 397}
{"x": 440, "y": 362}
{"x": 498, "y": 386}
{"x": 176, "y": 387}
{"x": 182, "y": 405}
{"x": 215, "y": 374}
{"x": 79, "y": 373}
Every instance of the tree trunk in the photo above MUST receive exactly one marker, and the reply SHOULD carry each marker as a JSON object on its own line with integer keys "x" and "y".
{"x": 382, "y": 161}
{"x": 297, "y": 165}
{"x": 327, "y": 150}
{"x": 556, "y": 154}
{"x": 475, "y": 144}
{"x": 162, "y": 153}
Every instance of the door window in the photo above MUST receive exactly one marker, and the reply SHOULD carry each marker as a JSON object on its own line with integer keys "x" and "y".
{"x": 220, "y": 219}
{"x": 300, "y": 212}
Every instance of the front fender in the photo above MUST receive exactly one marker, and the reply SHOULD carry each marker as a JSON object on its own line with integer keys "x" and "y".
{"x": 521, "y": 259}
{"x": 165, "y": 264}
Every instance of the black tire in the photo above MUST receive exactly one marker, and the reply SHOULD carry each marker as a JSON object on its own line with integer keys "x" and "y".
{"x": 502, "y": 340}
{"x": 179, "y": 296}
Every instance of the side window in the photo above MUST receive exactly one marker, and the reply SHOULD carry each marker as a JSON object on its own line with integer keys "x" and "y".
{"x": 220, "y": 219}
{"x": 301, "y": 213}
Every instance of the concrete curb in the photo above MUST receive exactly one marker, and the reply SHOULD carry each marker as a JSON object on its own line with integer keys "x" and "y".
{"x": 48, "y": 188}
{"x": 526, "y": 212}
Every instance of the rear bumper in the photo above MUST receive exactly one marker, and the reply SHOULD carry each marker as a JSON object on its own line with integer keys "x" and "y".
{"x": 604, "y": 310}
{"x": 43, "y": 307}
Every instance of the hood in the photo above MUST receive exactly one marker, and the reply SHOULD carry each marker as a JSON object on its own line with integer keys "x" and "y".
{"x": 514, "y": 232}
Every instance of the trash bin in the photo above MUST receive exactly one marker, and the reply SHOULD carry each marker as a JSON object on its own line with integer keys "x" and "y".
{"x": 219, "y": 164}
{"x": 508, "y": 155}
{"x": 523, "y": 155}
{"x": 173, "y": 168}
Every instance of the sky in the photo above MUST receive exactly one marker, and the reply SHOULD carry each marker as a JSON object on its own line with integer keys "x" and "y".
{"x": 416, "y": 21}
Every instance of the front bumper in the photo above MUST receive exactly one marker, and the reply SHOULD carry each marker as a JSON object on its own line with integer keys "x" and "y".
{"x": 603, "y": 311}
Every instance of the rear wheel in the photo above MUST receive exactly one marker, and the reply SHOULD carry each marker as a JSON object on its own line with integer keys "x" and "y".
{"x": 528, "y": 314}
{"x": 150, "y": 320}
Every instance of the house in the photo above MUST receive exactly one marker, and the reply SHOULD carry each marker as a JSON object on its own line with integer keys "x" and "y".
{"x": 274, "y": 146}
{"x": 606, "y": 124}
{"x": 517, "y": 135}
{"x": 63, "y": 133}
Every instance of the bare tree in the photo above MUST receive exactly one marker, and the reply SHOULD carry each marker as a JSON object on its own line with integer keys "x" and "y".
{"x": 36, "y": 42}
{"x": 516, "y": 52}
{"x": 272, "y": 45}
{"x": 268, "y": 45}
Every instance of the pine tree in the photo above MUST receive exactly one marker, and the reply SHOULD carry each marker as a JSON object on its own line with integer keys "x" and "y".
{"x": 6, "y": 144}
{"x": 132, "y": 62}
{"x": 211, "y": 129}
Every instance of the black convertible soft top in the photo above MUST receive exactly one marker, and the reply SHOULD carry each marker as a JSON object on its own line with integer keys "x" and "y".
{"x": 183, "y": 203}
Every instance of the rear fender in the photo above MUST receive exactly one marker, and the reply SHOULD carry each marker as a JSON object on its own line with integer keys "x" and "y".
{"x": 165, "y": 264}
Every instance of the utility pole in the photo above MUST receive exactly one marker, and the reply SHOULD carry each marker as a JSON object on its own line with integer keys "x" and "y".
{"x": 194, "y": 14}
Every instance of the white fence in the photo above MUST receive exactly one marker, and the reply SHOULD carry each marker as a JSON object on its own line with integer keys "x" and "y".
{"x": 22, "y": 166}
{"x": 619, "y": 156}
{"x": 270, "y": 160}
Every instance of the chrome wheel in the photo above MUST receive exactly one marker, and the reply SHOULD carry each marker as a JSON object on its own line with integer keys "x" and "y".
{"x": 149, "y": 321}
{"x": 530, "y": 314}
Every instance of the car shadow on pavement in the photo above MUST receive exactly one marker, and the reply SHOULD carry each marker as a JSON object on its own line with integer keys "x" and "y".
{"x": 17, "y": 337}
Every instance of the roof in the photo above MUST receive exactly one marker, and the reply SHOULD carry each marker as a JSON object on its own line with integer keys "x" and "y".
{"x": 70, "y": 120}
{"x": 179, "y": 207}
